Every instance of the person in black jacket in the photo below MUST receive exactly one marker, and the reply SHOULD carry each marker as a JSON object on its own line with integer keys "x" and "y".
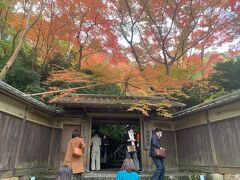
{"x": 155, "y": 144}
{"x": 130, "y": 140}
{"x": 104, "y": 149}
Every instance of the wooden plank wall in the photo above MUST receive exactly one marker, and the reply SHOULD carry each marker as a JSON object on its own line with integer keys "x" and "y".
{"x": 210, "y": 140}
{"x": 26, "y": 152}
{"x": 226, "y": 135}
{"x": 9, "y": 136}
{"x": 193, "y": 146}
{"x": 35, "y": 146}
{"x": 54, "y": 157}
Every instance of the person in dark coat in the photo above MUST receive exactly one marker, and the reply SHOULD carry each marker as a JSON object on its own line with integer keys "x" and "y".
{"x": 130, "y": 139}
{"x": 155, "y": 144}
{"x": 104, "y": 149}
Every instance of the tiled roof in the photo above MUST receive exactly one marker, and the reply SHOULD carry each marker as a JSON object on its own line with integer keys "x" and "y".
{"x": 113, "y": 100}
{"x": 228, "y": 98}
{"x": 109, "y": 100}
{"x": 7, "y": 89}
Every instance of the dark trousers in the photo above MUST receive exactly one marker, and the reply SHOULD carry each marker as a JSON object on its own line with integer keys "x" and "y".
{"x": 159, "y": 173}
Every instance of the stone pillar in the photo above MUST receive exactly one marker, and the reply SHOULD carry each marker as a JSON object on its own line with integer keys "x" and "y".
{"x": 227, "y": 176}
{"x": 214, "y": 177}
{"x": 235, "y": 177}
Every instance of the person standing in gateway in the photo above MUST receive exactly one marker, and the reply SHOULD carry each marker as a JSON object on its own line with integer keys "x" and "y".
{"x": 131, "y": 151}
{"x": 104, "y": 148}
{"x": 96, "y": 144}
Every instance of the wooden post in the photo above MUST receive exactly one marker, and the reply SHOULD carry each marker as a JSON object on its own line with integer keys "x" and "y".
{"x": 176, "y": 149}
{"x": 147, "y": 139}
{"x": 84, "y": 134}
{"x": 142, "y": 150}
{"x": 88, "y": 142}
{"x": 20, "y": 139}
{"x": 50, "y": 148}
{"x": 215, "y": 164}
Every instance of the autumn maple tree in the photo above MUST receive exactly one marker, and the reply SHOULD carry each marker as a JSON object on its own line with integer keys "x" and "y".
{"x": 142, "y": 47}
{"x": 175, "y": 27}
{"x": 29, "y": 18}
{"x": 86, "y": 27}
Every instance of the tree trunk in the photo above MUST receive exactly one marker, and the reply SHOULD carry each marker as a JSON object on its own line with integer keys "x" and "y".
{"x": 136, "y": 58}
{"x": 168, "y": 72}
{"x": 202, "y": 58}
{"x": 167, "y": 66}
{"x": 0, "y": 33}
{"x": 80, "y": 58}
{"x": 28, "y": 26}
{"x": 13, "y": 58}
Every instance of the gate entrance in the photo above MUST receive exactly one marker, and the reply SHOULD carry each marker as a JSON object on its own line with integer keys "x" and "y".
{"x": 113, "y": 149}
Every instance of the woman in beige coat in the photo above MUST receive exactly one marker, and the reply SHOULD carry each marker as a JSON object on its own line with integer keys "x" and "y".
{"x": 76, "y": 164}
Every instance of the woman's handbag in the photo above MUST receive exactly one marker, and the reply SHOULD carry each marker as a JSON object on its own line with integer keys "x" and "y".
{"x": 131, "y": 148}
{"x": 77, "y": 152}
{"x": 161, "y": 153}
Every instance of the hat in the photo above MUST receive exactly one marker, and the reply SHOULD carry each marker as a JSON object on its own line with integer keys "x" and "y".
{"x": 129, "y": 127}
{"x": 158, "y": 129}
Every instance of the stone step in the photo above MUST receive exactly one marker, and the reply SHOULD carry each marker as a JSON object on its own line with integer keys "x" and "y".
{"x": 101, "y": 175}
{"x": 111, "y": 175}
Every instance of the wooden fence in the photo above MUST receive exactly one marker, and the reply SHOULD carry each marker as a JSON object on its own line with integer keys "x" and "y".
{"x": 27, "y": 147}
{"x": 209, "y": 140}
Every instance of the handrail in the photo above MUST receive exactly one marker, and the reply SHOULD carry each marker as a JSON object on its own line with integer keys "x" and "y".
{"x": 118, "y": 149}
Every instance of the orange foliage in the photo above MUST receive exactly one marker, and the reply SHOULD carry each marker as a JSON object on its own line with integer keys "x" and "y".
{"x": 99, "y": 57}
{"x": 195, "y": 62}
{"x": 69, "y": 75}
{"x": 212, "y": 60}
{"x": 204, "y": 66}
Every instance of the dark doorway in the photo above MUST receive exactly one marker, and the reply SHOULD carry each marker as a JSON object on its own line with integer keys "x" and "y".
{"x": 114, "y": 130}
